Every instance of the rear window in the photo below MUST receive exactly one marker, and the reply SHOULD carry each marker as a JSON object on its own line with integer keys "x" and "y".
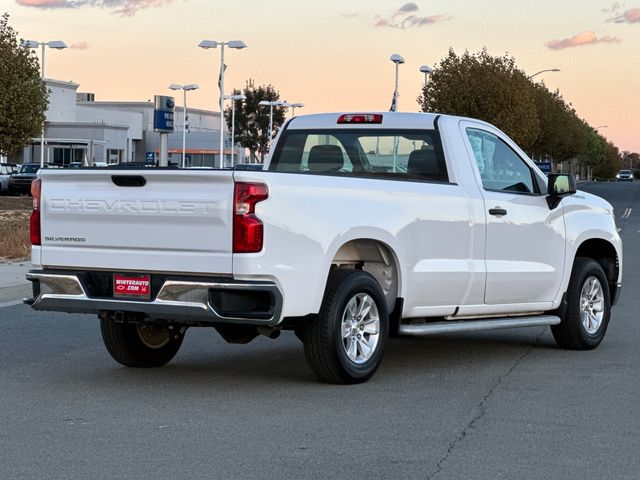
{"x": 396, "y": 154}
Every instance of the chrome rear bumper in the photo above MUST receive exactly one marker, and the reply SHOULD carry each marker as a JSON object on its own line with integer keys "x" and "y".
{"x": 182, "y": 300}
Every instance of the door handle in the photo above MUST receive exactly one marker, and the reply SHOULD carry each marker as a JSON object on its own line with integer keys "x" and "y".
{"x": 497, "y": 211}
{"x": 129, "y": 180}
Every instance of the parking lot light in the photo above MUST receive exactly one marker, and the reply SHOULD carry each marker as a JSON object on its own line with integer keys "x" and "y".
{"x": 398, "y": 60}
{"x": 208, "y": 44}
{"x": 58, "y": 45}
{"x": 185, "y": 118}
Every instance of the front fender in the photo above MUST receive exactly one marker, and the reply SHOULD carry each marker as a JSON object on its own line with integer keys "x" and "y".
{"x": 588, "y": 221}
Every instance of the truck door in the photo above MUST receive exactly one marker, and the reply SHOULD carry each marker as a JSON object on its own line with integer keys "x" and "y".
{"x": 525, "y": 239}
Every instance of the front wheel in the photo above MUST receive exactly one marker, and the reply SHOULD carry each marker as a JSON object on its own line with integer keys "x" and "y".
{"x": 141, "y": 345}
{"x": 346, "y": 342}
{"x": 588, "y": 309}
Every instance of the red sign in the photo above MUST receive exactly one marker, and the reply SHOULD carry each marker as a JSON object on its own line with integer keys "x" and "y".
{"x": 131, "y": 286}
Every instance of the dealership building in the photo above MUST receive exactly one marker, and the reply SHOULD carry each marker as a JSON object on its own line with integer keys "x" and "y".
{"x": 80, "y": 129}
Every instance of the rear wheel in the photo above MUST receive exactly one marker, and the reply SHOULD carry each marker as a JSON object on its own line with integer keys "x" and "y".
{"x": 140, "y": 344}
{"x": 346, "y": 342}
{"x": 586, "y": 317}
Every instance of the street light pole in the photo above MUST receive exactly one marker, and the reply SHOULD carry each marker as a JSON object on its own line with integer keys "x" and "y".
{"x": 233, "y": 99}
{"x": 184, "y": 128}
{"x": 426, "y": 69}
{"x": 398, "y": 60}
{"x": 233, "y": 131}
{"x": 238, "y": 44}
{"x": 294, "y": 106}
{"x": 271, "y": 104}
{"x": 221, "y": 84}
{"x": 43, "y": 123}
{"x": 542, "y": 71}
{"x": 58, "y": 45}
{"x": 185, "y": 118}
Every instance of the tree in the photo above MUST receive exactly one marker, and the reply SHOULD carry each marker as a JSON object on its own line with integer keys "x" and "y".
{"x": 252, "y": 120}
{"x": 484, "y": 87}
{"x": 563, "y": 135}
{"x": 612, "y": 163}
{"x": 23, "y": 95}
{"x": 602, "y": 156}
{"x": 540, "y": 121}
{"x": 631, "y": 160}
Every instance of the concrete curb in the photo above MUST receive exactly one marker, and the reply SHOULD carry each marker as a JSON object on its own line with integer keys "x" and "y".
{"x": 13, "y": 284}
{"x": 15, "y": 293}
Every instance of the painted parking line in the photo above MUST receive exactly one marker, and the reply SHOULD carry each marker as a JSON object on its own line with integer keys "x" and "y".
{"x": 627, "y": 212}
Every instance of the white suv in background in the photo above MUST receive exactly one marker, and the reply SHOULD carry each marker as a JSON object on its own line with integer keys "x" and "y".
{"x": 624, "y": 176}
{"x": 6, "y": 170}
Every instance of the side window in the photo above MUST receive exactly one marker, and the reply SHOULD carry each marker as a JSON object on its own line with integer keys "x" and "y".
{"x": 499, "y": 166}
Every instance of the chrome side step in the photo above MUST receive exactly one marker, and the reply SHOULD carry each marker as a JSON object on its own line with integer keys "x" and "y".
{"x": 453, "y": 326}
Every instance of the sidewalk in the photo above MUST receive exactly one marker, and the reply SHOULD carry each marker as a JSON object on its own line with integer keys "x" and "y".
{"x": 13, "y": 284}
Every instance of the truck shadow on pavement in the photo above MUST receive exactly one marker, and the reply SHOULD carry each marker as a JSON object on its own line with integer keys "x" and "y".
{"x": 267, "y": 362}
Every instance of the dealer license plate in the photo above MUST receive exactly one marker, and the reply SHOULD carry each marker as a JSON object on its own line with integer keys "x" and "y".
{"x": 132, "y": 286}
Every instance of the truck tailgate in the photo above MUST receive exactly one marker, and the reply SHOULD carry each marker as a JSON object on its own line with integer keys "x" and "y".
{"x": 137, "y": 220}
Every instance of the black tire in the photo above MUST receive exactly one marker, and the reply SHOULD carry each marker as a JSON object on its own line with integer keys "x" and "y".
{"x": 324, "y": 346}
{"x": 127, "y": 347}
{"x": 571, "y": 333}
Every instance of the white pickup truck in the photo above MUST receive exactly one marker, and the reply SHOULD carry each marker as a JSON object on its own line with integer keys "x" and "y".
{"x": 360, "y": 226}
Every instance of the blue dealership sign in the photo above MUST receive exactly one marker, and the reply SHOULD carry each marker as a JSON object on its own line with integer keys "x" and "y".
{"x": 163, "y": 113}
{"x": 151, "y": 157}
{"x": 544, "y": 166}
{"x": 163, "y": 121}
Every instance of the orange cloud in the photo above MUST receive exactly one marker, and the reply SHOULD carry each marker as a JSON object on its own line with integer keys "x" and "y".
{"x": 629, "y": 16}
{"x": 584, "y": 38}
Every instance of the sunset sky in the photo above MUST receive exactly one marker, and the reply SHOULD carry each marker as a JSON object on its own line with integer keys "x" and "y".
{"x": 334, "y": 55}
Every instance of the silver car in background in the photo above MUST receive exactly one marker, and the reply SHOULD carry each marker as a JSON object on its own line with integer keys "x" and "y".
{"x": 6, "y": 170}
{"x": 624, "y": 176}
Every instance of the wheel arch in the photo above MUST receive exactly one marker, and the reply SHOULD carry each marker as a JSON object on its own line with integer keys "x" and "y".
{"x": 374, "y": 256}
{"x": 605, "y": 253}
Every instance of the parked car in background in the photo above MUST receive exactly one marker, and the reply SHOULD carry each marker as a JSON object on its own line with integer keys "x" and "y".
{"x": 20, "y": 182}
{"x": 624, "y": 176}
{"x": 6, "y": 170}
{"x": 128, "y": 165}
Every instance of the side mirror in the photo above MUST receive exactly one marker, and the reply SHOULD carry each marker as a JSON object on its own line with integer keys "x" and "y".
{"x": 559, "y": 185}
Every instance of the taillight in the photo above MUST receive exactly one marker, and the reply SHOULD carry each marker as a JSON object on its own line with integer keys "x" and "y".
{"x": 360, "y": 118}
{"x": 34, "y": 222}
{"x": 247, "y": 228}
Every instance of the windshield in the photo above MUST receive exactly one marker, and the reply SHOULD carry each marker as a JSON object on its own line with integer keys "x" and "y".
{"x": 416, "y": 154}
{"x": 29, "y": 168}
{"x": 624, "y": 172}
{"x": 6, "y": 170}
